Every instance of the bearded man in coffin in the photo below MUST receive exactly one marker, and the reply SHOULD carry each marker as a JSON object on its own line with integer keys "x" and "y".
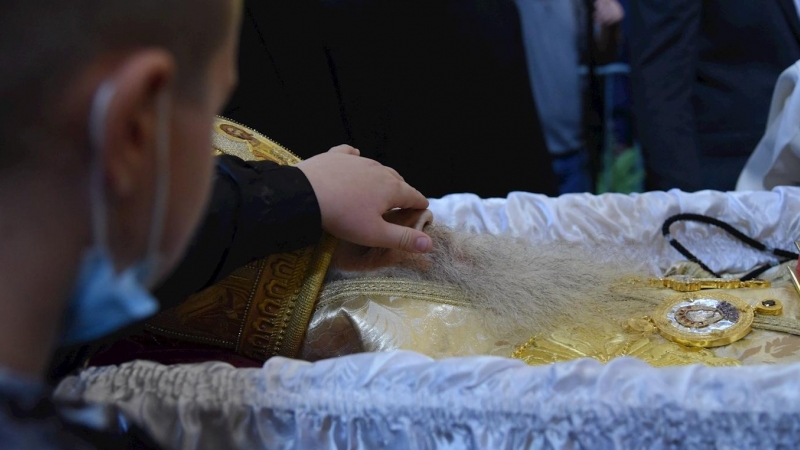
{"x": 472, "y": 294}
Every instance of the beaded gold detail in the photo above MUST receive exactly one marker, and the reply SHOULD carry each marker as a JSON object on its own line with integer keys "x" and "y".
{"x": 770, "y": 307}
{"x": 682, "y": 283}
{"x": 520, "y": 351}
{"x": 306, "y": 298}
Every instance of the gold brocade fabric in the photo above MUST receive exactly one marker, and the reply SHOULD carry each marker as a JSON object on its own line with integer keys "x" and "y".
{"x": 380, "y": 314}
{"x": 760, "y": 346}
{"x": 279, "y": 306}
{"x": 262, "y": 309}
{"x": 386, "y": 314}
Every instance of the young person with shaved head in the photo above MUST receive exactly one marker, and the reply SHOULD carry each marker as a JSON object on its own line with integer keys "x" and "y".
{"x": 105, "y": 181}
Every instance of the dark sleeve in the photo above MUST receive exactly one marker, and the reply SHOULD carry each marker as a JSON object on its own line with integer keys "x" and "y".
{"x": 664, "y": 67}
{"x": 256, "y": 209}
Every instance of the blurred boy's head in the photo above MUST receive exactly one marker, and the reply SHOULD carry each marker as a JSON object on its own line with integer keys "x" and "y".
{"x": 167, "y": 62}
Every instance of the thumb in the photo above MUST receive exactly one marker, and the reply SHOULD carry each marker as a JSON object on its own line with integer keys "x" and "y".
{"x": 403, "y": 238}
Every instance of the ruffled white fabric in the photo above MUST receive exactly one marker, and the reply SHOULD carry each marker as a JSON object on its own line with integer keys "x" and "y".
{"x": 406, "y": 400}
{"x": 776, "y": 159}
{"x": 617, "y": 220}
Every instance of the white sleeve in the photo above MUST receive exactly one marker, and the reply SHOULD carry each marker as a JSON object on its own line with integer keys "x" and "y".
{"x": 776, "y": 159}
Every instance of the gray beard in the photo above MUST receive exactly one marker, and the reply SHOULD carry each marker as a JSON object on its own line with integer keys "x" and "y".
{"x": 519, "y": 286}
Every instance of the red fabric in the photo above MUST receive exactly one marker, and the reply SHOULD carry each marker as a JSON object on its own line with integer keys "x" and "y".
{"x": 166, "y": 351}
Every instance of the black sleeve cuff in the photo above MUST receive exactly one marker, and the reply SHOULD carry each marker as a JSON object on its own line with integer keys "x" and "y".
{"x": 279, "y": 211}
{"x": 256, "y": 209}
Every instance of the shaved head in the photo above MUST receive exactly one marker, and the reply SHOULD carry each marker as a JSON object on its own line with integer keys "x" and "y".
{"x": 45, "y": 44}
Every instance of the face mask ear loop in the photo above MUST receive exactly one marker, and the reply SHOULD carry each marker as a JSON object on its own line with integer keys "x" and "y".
{"x": 160, "y": 199}
{"x": 97, "y": 139}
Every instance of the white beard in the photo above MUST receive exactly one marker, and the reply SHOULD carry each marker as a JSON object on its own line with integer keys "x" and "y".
{"x": 520, "y": 286}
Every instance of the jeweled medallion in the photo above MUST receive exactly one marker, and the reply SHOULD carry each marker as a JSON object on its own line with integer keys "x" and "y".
{"x": 704, "y": 319}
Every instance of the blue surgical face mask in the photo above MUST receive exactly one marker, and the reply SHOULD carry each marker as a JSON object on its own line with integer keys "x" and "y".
{"x": 103, "y": 299}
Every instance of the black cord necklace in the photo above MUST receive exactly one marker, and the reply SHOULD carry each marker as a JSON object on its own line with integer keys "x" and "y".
{"x": 783, "y": 255}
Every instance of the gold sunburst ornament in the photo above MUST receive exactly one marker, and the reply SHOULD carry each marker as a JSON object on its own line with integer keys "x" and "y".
{"x": 638, "y": 340}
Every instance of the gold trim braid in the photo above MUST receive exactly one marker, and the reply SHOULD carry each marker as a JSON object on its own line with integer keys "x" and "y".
{"x": 773, "y": 323}
{"x": 419, "y": 290}
{"x": 305, "y": 301}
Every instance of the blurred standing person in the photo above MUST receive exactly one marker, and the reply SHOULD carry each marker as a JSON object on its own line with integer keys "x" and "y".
{"x": 556, "y": 44}
{"x": 703, "y": 75}
{"x": 404, "y": 82}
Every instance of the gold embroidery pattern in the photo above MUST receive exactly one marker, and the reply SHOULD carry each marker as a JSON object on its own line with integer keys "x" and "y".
{"x": 267, "y": 316}
{"x": 606, "y": 344}
{"x": 214, "y": 315}
{"x": 302, "y": 306}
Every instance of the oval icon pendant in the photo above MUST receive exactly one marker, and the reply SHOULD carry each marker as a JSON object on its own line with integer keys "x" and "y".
{"x": 704, "y": 319}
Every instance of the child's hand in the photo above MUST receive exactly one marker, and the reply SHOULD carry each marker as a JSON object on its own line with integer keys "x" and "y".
{"x": 354, "y": 192}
